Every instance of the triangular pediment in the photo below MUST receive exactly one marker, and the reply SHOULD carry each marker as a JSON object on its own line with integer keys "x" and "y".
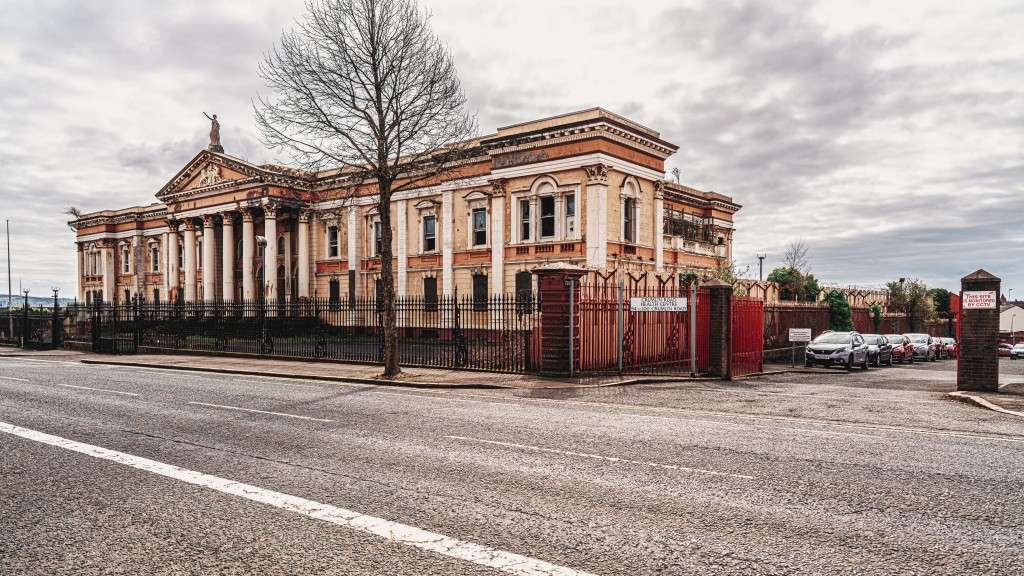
{"x": 210, "y": 171}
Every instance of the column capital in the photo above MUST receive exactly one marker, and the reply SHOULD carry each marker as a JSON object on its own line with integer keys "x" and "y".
{"x": 209, "y": 220}
{"x": 247, "y": 213}
{"x": 189, "y": 224}
{"x": 228, "y": 217}
{"x": 305, "y": 215}
{"x": 659, "y": 189}
{"x": 597, "y": 173}
{"x": 172, "y": 224}
{"x": 271, "y": 210}
{"x": 498, "y": 186}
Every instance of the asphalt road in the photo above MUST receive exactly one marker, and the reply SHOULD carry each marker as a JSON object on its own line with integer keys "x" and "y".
{"x": 831, "y": 473}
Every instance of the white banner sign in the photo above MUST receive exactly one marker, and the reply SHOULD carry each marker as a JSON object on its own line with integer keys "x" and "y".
{"x": 799, "y": 334}
{"x": 984, "y": 300}
{"x": 657, "y": 304}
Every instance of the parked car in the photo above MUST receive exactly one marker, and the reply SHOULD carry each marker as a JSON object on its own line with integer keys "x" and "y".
{"x": 902, "y": 349}
{"x": 940, "y": 347}
{"x": 924, "y": 347}
{"x": 843, "y": 348}
{"x": 952, "y": 348}
{"x": 879, "y": 349}
{"x": 1004, "y": 349}
{"x": 1017, "y": 352}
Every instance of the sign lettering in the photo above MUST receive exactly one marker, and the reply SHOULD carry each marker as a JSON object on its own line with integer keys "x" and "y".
{"x": 981, "y": 300}
{"x": 657, "y": 304}
{"x": 799, "y": 334}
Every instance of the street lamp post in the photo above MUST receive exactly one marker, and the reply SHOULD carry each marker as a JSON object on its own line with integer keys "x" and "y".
{"x": 760, "y": 266}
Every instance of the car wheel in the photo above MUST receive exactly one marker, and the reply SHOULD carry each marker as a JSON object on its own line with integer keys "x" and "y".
{"x": 849, "y": 363}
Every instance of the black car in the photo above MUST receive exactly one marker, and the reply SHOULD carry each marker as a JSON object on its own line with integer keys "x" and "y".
{"x": 879, "y": 349}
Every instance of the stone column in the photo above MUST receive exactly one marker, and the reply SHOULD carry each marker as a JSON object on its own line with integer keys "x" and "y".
{"x": 597, "y": 215}
{"x": 228, "y": 252}
{"x": 402, "y": 239}
{"x": 659, "y": 228}
{"x": 248, "y": 256}
{"x": 497, "y": 232}
{"x": 303, "y": 247}
{"x": 721, "y": 324}
{"x": 447, "y": 245}
{"x": 555, "y": 282}
{"x": 80, "y": 263}
{"x": 209, "y": 258}
{"x": 353, "y": 250}
{"x": 977, "y": 367}
{"x": 171, "y": 270}
{"x": 190, "y": 260}
{"x": 107, "y": 255}
{"x": 270, "y": 252}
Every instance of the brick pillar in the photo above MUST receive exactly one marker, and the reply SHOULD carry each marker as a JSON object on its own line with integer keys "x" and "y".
{"x": 721, "y": 322}
{"x": 553, "y": 283}
{"x": 978, "y": 364}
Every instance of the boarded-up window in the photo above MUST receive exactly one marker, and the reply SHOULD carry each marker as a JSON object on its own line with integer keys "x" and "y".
{"x": 479, "y": 292}
{"x": 524, "y": 292}
{"x": 430, "y": 293}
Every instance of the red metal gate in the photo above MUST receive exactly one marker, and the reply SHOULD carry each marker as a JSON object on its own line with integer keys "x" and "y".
{"x": 747, "y": 333}
{"x": 649, "y": 341}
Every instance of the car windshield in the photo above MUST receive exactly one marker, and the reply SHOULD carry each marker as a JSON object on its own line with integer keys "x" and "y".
{"x": 872, "y": 338}
{"x": 895, "y": 338}
{"x": 1018, "y": 346}
{"x": 833, "y": 338}
{"x": 918, "y": 338}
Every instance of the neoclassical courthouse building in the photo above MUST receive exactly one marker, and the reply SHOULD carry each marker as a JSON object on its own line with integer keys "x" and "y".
{"x": 586, "y": 188}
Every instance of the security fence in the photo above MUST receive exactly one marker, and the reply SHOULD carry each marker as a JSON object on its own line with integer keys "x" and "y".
{"x": 32, "y": 328}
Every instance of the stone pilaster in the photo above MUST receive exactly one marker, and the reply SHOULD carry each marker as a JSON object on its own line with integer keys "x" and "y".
{"x": 447, "y": 244}
{"x": 659, "y": 228}
{"x": 354, "y": 253}
{"x": 497, "y": 234}
{"x": 172, "y": 269}
{"x": 303, "y": 248}
{"x": 597, "y": 216}
{"x": 402, "y": 238}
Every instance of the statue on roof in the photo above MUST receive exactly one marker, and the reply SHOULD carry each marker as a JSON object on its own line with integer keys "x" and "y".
{"x": 214, "y": 134}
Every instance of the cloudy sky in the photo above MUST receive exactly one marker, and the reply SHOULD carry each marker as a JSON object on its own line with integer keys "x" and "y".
{"x": 888, "y": 135}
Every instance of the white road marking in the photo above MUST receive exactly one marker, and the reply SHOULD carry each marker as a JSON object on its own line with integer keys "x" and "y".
{"x": 221, "y": 376}
{"x": 599, "y": 457}
{"x": 260, "y": 411}
{"x": 98, "y": 389}
{"x": 13, "y": 378}
{"x": 404, "y": 534}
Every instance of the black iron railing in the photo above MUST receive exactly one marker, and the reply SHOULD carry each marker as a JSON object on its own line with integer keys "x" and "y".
{"x": 496, "y": 334}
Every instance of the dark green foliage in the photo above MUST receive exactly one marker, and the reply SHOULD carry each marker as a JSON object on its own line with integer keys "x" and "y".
{"x": 839, "y": 315}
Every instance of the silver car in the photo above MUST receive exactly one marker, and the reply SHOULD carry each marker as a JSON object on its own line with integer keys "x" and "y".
{"x": 924, "y": 348}
{"x": 843, "y": 348}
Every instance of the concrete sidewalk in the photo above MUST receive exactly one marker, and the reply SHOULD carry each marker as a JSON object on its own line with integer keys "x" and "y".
{"x": 332, "y": 371}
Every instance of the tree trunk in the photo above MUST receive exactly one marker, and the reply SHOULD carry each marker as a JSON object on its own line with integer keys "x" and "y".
{"x": 387, "y": 280}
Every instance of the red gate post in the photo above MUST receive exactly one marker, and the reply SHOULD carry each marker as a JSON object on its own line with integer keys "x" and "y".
{"x": 720, "y": 295}
{"x": 978, "y": 365}
{"x": 554, "y": 282}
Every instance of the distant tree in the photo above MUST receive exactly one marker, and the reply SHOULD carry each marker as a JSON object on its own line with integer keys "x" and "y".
{"x": 794, "y": 285}
{"x": 912, "y": 298}
{"x": 839, "y": 316}
{"x": 809, "y": 289}
{"x": 940, "y": 300}
{"x": 795, "y": 256}
{"x": 876, "y": 317}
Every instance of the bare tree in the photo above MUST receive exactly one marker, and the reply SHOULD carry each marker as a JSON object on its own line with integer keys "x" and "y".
{"x": 366, "y": 86}
{"x": 795, "y": 256}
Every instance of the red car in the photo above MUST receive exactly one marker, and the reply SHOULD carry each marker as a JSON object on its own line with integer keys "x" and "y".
{"x": 902, "y": 349}
{"x": 952, "y": 348}
{"x": 1004, "y": 349}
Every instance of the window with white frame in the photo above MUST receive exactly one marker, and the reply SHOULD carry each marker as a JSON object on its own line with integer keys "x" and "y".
{"x": 547, "y": 217}
{"x": 569, "y": 231}
{"x": 154, "y": 257}
{"x": 378, "y": 238}
{"x": 125, "y": 259}
{"x": 429, "y": 233}
{"x": 332, "y": 242}
{"x": 524, "y": 220}
{"x": 479, "y": 222}
{"x": 629, "y": 208}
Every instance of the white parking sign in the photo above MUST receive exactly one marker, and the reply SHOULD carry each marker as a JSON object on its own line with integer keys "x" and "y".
{"x": 799, "y": 334}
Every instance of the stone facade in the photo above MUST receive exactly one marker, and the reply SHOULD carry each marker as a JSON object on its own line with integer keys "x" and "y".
{"x": 585, "y": 188}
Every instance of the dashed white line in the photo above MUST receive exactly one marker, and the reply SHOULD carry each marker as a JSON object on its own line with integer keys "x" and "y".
{"x": 98, "y": 389}
{"x": 13, "y": 378}
{"x": 600, "y": 457}
{"x": 398, "y": 533}
{"x": 223, "y": 407}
